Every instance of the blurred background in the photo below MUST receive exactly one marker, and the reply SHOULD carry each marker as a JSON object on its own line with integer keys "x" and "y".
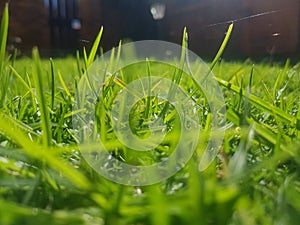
{"x": 59, "y": 27}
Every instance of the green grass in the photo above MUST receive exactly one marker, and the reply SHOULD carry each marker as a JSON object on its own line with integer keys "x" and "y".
{"x": 255, "y": 178}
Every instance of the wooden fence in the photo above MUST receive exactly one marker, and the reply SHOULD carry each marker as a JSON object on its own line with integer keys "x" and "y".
{"x": 265, "y": 27}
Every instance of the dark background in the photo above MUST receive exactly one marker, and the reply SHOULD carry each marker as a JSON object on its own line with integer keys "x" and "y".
{"x": 51, "y": 25}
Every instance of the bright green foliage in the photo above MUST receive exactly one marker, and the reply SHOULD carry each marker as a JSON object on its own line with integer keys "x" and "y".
{"x": 4, "y": 75}
{"x": 44, "y": 180}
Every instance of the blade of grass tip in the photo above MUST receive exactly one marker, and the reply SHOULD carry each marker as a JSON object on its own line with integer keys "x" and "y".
{"x": 45, "y": 116}
{"x": 64, "y": 85}
{"x": 85, "y": 58}
{"x": 187, "y": 58}
{"x": 3, "y": 40}
{"x": 280, "y": 78}
{"x": 121, "y": 84}
{"x": 112, "y": 66}
{"x": 85, "y": 73}
{"x": 239, "y": 105}
{"x": 184, "y": 45}
{"x": 267, "y": 92}
{"x": 3, "y": 35}
{"x": 32, "y": 93}
{"x": 52, "y": 83}
{"x": 94, "y": 48}
{"x": 251, "y": 79}
{"x": 233, "y": 75}
{"x": 223, "y": 46}
{"x": 177, "y": 73}
{"x": 19, "y": 77}
{"x": 111, "y": 60}
{"x": 108, "y": 84}
{"x": 148, "y": 99}
{"x": 118, "y": 54}
{"x": 78, "y": 64}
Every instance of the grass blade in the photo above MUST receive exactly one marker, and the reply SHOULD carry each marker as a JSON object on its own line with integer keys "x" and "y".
{"x": 45, "y": 116}
{"x": 223, "y": 46}
{"x": 280, "y": 79}
{"x": 20, "y": 78}
{"x": 3, "y": 39}
{"x": 52, "y": 83}
{"x": 18, "y": 136}
{"x": 79, "y": 70}
{"x": 259, "y": 103}
{"x": 177, "y": 73}
{"x": 3, "y": 35}
{"x": 94, "y": 48}
{"x": 64, "y": 85}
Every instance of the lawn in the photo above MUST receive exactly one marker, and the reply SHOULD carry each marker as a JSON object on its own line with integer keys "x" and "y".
{"x": 45, "y": 178}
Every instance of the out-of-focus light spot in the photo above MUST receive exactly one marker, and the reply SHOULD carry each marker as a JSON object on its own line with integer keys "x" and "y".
{"x": 168, "y": 52}
{"x": 276, "y": 34}
{"x": 158, "y": 11}
{"x": 3, "y": 160}
{"x": 84, "y": 41}
{"x": 76, "y": 24}
{"x": 18, "y": 40}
